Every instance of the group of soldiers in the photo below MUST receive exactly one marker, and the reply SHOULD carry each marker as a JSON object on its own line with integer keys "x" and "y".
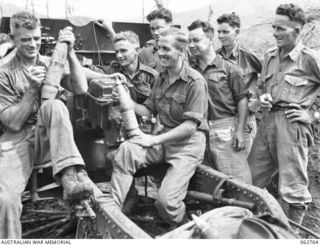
{"x": 203, "y": 99}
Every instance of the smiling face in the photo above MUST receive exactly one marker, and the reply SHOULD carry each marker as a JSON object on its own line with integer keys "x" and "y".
{"x": 168, "y": 53}
{"x": 28, "y": 42}
{"x": 156, "y": 26}
{"x": 199, "y": 43}
{"x": 126, "y": 52}
{"x": 285, "y": 31}
{"x": 227, "y": 34}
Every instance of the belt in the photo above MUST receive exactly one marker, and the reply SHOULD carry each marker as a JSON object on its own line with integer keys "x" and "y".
{"x": 276, "y": 108}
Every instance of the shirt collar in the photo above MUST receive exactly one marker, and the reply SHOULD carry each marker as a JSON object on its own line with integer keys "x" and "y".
{"x": 216, "y": 62}
{"x": 295, "y": 53}
{"x": 233, "y": 55}
{"x": 184, "y": 74}
{"x": 142, "y": 67}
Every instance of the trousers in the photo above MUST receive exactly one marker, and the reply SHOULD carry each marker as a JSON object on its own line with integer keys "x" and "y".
{"x": 51, "y": 139}
{"x": 183, "y": 158}
{"x": 282, "y": 146}
{"x": 223, "y": 156}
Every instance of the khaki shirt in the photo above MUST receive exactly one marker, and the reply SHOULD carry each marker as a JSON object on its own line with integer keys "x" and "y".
{"x": 248, "y": 62}
{"x": 184, "y": 99}
{"x": 142, "y": 81}
{"x": 226, "y": 87}
{"x": 14, "y": 81}
{"x": 295, "y": 79}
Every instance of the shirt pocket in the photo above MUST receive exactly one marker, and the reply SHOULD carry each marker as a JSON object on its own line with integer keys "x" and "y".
{"x": 293, "y": 90}
{"x": 218, "y": 77}
{"x": 218, "y": 81}
{"x": 177, "y": 106}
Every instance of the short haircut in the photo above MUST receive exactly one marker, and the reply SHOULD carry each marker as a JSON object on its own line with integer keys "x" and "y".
{"x": 130, "y": 36}
{"x": 24, "y": 19}
{"x": 162, "y": 13}
{"x": 293, "y": 11}
{"x": 206, "y": 27}
{"x": 181, "y": 40}
{"x": 232, "y": 19}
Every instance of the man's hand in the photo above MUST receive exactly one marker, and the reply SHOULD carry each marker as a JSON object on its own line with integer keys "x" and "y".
{"x": 265, "y": 101}
{"x": 298, "y": 114}
{"x": 106, "y": 24}
{"x": 144, "y": 140}
{"x": 36, "y": 76}
{"x": 119, "y": 79}
{"x": 66, "y": 35}
{"x": 238, "y": 140}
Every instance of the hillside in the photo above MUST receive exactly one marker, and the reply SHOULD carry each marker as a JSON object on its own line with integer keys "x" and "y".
{"x": 256, "y": 30}
{"x": 250, "y": 13}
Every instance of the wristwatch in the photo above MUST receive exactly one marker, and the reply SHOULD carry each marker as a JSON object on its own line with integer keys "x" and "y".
{"x": 316, "y": 116}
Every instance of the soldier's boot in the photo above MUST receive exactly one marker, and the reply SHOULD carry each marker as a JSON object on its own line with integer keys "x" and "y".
{"x": 73, "y": 190}
{"x": 296, "y": 213}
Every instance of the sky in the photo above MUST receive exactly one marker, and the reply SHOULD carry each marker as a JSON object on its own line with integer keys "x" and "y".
{"x": 129, "y": 10}
{"x": 116, "y": 10}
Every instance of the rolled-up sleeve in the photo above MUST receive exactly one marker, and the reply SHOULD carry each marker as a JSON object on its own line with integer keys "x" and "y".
{"x": 237, "y": 84}
{"x": 8, "y": 98}
{"x": 196, "y": 106}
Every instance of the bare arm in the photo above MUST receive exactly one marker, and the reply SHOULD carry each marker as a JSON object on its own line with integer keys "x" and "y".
{"x": 141, "y": 110}
{"x": 15, "y": 116}
{"x": 93, "y": 75}
{"x": 243, "y": 113}
{"x": 20, "y": 112}
{"x": 238, "y": 137}
{"x": 184, "y": 130}
{"x": 77, "y": 76}
{"x": 78, "y": 79}
{"x": 106, "y": 24}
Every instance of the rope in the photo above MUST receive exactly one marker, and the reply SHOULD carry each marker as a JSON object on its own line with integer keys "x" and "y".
{"x": 97, "y": 45}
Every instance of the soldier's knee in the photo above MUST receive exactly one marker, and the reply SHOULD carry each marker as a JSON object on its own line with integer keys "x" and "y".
{"x": 53, "y": 105}
{"x": 125, "y": 158}
{"x": 53, "y": 108}
{"x": 164, "y": 203}
{"x": 9, "y": 201}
